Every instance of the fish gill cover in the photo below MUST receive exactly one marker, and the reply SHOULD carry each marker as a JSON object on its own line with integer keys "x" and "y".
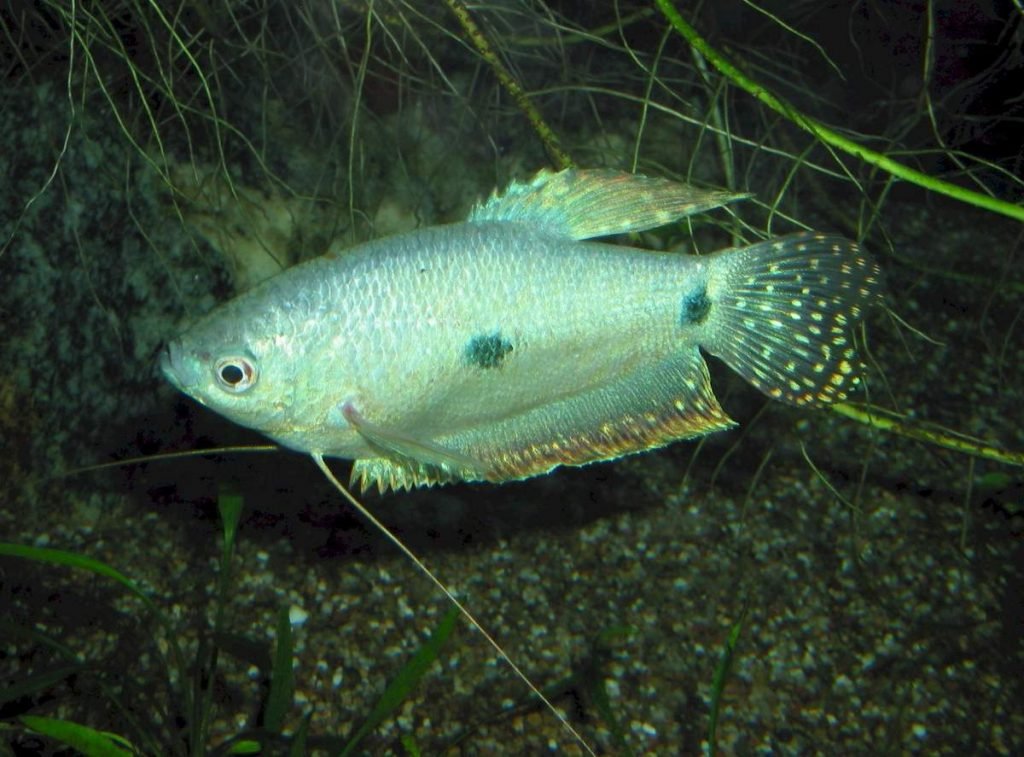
{"x": 160, "y": 159}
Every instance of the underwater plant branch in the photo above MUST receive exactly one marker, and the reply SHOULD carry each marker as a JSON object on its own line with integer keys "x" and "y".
{"x": 207, "y": 90}
{"x": 827, "y": 135}
{"x": 717, "y": 118}
{"x": 896, "y": 423}
{"x": 64, "y": 146}
{"x": 579, "y": 36}
{"x": 94, "y": 35}
{"x": 806, "y": 39}
{"x": 83, "y": 31}
{"x": 700, "y": 123}
{"x": 645, "y": 106}
{"x": 360, "y": 84}
{"x": 483, "y": 46}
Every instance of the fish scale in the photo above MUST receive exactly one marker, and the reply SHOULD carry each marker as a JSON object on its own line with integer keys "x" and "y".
{"x": 503, "y": 346}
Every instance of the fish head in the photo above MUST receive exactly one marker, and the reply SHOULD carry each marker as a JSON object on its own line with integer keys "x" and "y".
{"x": 240, "y": 374}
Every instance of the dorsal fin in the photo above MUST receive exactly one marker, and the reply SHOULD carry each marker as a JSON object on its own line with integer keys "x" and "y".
{"x": 581, "y": 204}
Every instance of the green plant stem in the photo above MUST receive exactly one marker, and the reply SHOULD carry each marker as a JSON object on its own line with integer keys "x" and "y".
{"x": 827, "y": 135}
{"x": 480, "y": 42}
{"x": 895, "y": 423}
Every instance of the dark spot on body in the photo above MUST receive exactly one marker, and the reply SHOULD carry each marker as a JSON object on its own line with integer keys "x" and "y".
{"x": 487, "y": 350}
{"x": 696, "y": 307}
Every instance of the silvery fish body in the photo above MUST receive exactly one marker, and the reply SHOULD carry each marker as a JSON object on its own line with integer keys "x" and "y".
{"x": 503, "y": 346}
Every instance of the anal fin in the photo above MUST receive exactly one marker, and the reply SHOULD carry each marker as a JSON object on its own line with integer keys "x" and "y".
{"x": 400, "y": 474}
{"x": 649, "y": 408}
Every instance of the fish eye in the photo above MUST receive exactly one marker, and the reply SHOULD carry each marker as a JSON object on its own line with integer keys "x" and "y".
{"x": 235, "y": 374}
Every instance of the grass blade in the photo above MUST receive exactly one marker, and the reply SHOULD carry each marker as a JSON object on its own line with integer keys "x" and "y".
{"x": 718, "y": 683}
{"x": 71, "y": 560}
{"x": 282, "y": 683}
{"x": 406, "y": 680}
{"x": 86, "y": 740}
{"x": 38, "y": 682}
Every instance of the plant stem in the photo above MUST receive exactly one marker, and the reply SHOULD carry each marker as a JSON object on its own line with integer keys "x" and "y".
{"x": 827, "y": 135}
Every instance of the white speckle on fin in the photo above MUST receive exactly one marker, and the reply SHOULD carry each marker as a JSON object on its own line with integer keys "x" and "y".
{"x": 782, "y": 312}
{"x": 582, "y": 204}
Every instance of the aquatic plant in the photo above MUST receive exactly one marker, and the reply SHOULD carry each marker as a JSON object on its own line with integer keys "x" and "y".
{"x": 184, "y": 723}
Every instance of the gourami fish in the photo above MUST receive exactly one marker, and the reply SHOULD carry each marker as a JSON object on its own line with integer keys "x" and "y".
{"x": 503, "y": 346}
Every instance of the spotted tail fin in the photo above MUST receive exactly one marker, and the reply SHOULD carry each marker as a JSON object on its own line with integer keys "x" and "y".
{"x": 782, "y": 312}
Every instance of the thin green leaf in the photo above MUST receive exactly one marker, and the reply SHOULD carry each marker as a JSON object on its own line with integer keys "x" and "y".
{"x": 245, "y": 746}
{"x": 37, "y": 683}
{"x": 406, "y": 680}
{"x": 282, "y": 682}
{"x": 72, "y": 560}
{"x": 410, "y": 746}
{"x": 298, "y": 747}
{"x": 230, "y": 507}
{"x": 718, "y": 683}
{"x": 86, "y": 740}
{"x": 603, "y": 705}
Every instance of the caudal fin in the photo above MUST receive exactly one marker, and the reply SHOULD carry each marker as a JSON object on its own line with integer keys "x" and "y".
{"x": 783, "y": 311}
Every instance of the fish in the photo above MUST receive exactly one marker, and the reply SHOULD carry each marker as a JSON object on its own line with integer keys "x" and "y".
{"x": 503, "y": 346}
{"x": 506, "y": 345}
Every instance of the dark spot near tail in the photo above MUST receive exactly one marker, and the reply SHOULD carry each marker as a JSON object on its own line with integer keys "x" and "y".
{"x": 696, "y": 307}
{"x": 487, "y": 351}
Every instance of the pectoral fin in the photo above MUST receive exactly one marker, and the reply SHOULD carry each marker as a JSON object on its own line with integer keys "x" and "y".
{"x": 406, "y": 461}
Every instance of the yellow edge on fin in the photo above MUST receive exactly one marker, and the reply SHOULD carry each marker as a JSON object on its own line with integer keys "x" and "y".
{"x": 629, "y": 434}
{"x": 649, "y": 408}
{"x": 652, "y": 407}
